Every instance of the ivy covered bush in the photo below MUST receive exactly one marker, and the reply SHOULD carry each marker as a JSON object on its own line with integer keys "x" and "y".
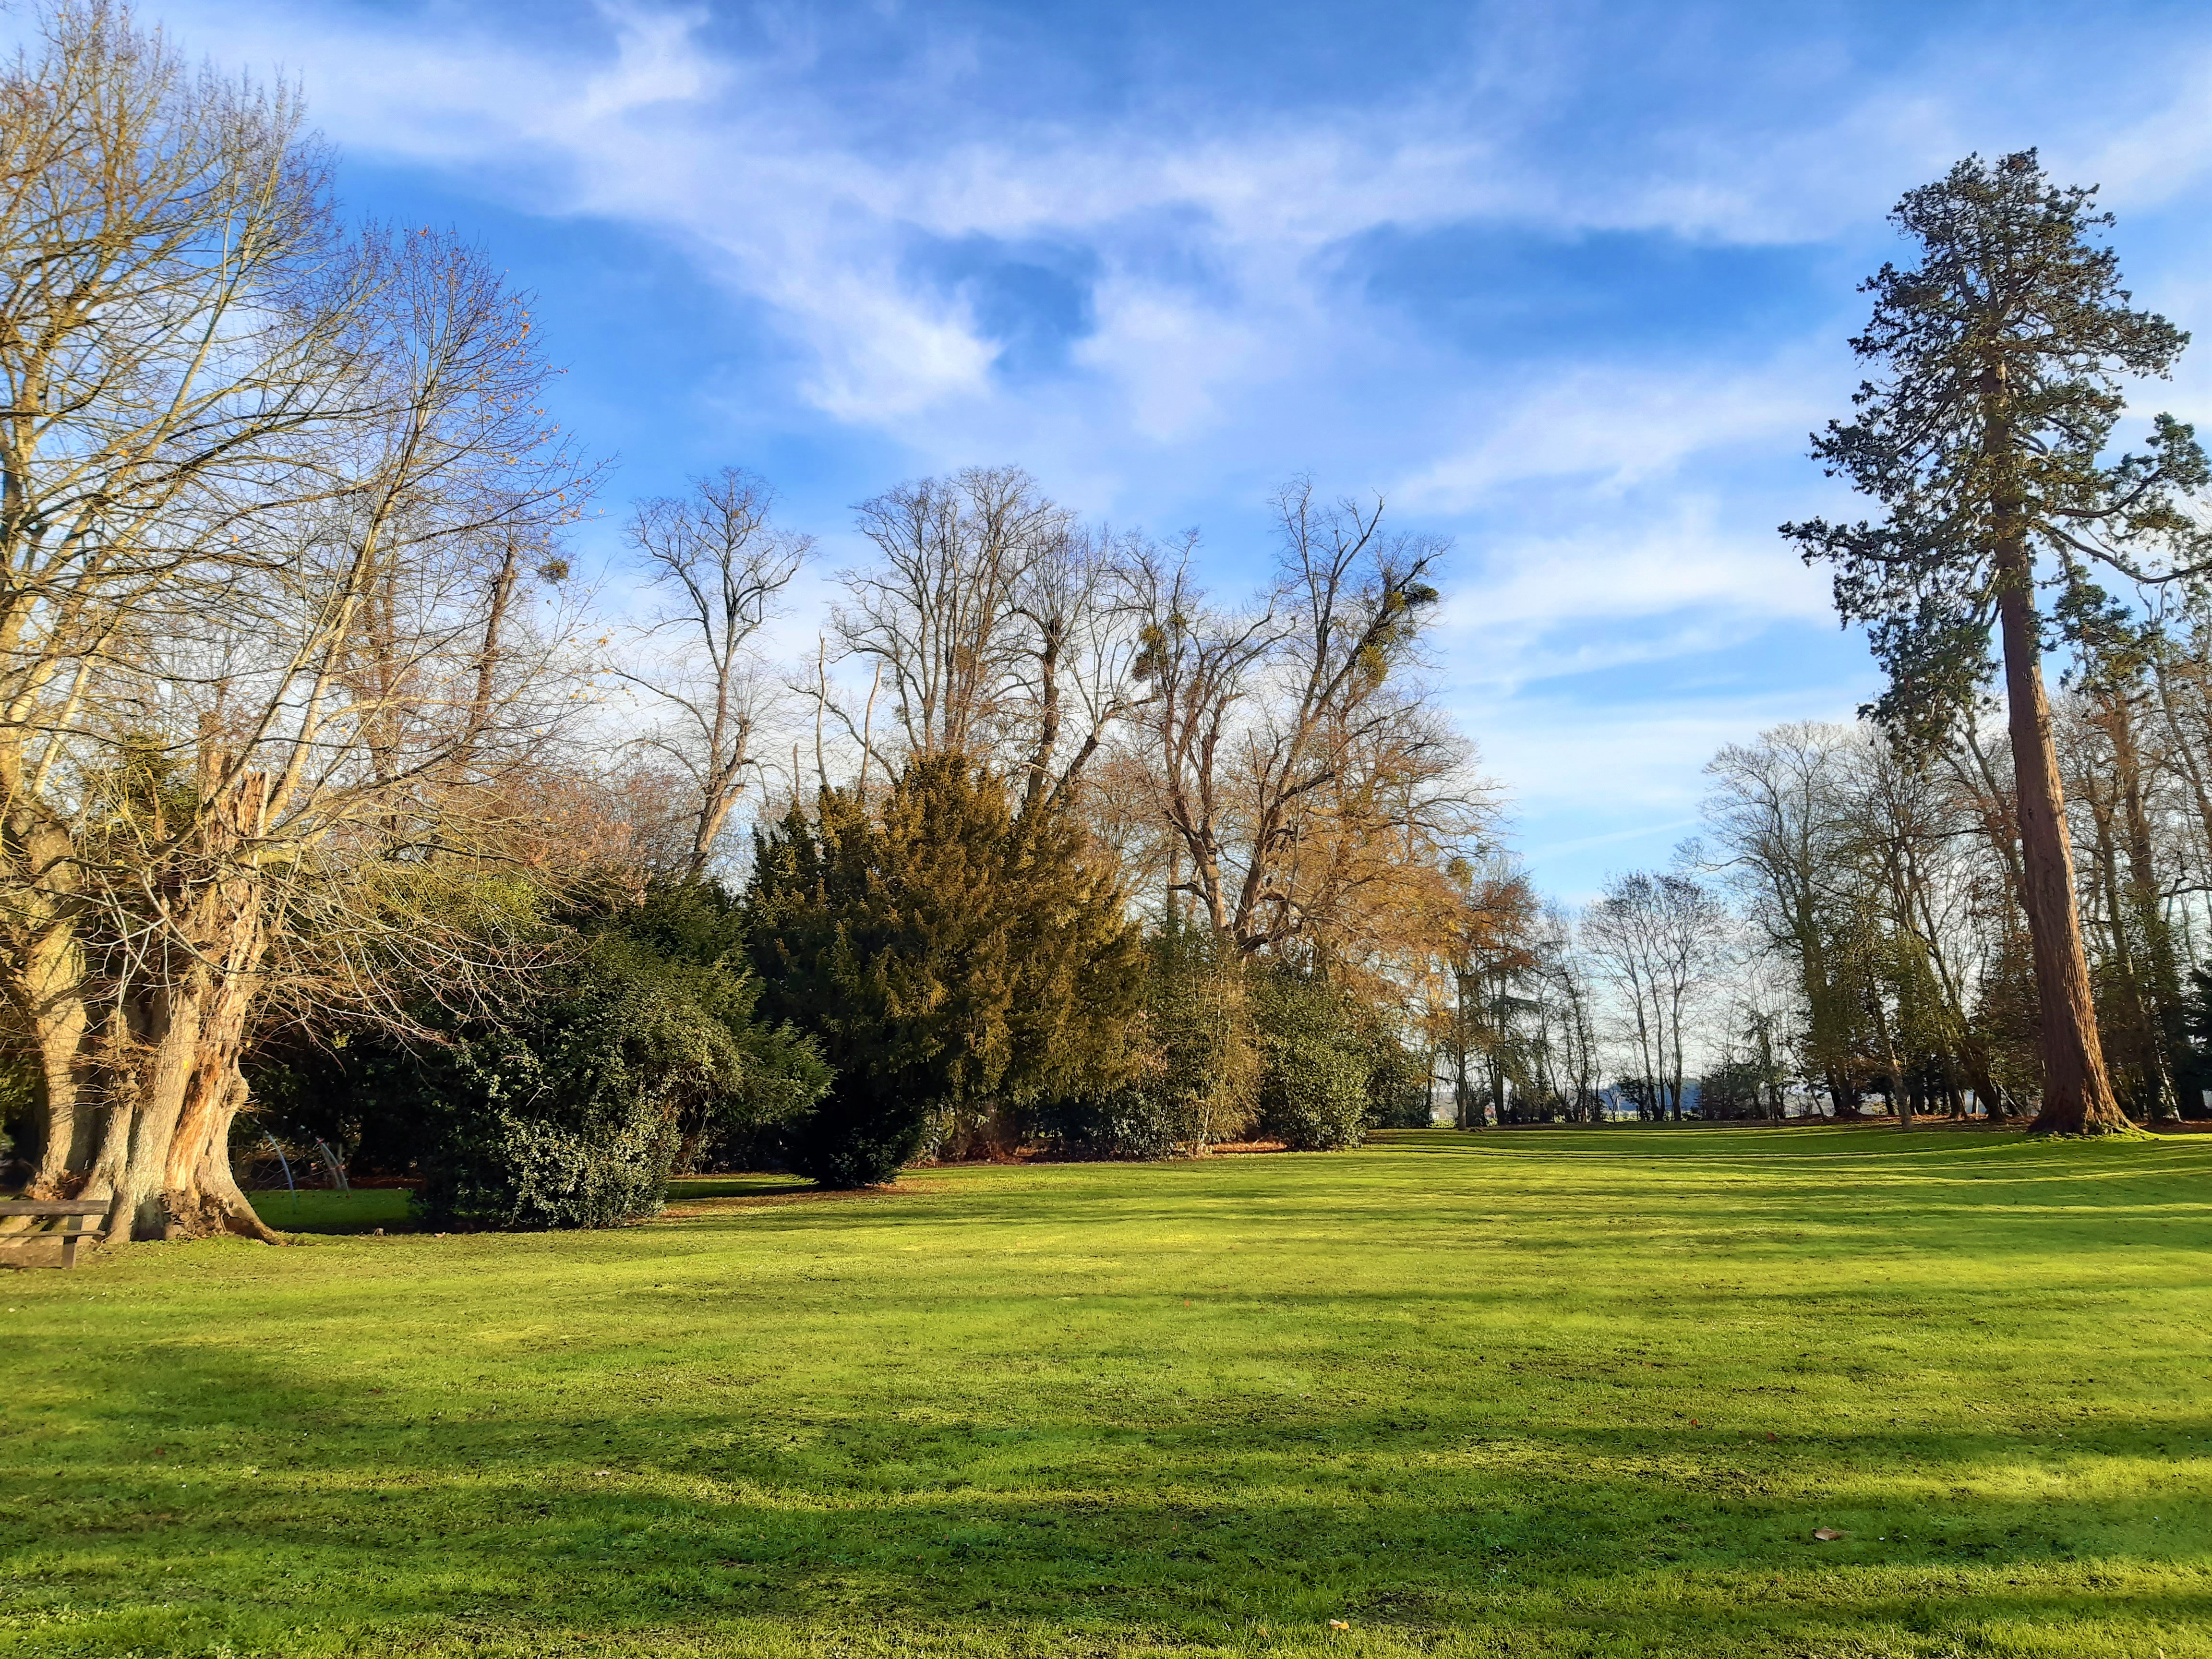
{"x": 1318, "y": 1058}
{"x": 634, "y": 1052}
{"x": 574, "y": 1110}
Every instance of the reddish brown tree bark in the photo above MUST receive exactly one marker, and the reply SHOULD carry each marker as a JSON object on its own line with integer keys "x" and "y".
{"x": 2077, "y": 1096}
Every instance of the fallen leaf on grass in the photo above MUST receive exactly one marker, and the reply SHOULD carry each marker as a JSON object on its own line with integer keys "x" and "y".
{"x": 1827, "y": 1534}
{"x": 1338, "y": 1624}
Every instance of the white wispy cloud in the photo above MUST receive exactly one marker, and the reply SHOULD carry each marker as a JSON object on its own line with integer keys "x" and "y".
{"x": 787, "y": 195}
{"x": 1620, "y": 426}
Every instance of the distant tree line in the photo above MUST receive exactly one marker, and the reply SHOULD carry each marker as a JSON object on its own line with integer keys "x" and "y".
{"x": 1889, "y": 889}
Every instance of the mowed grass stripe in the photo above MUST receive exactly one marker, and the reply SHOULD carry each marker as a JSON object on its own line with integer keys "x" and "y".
{"x": 1570, "y": 1392}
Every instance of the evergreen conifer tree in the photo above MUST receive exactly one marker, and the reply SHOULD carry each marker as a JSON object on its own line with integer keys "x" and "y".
{"x": 945, "y": 951}
{"x": 2000, "y": 355}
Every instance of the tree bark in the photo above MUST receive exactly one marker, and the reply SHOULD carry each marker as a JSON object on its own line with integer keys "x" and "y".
{"x": 163, "y": 1069}
{"x": 1900, "y": 1099}
{"x": 42, "y": 973}
{"x": 49, "y": 982}
{"x": 2158, "y": 973}
{"x": 2077, "y": 1096}
{"x": 199, "y": 1195}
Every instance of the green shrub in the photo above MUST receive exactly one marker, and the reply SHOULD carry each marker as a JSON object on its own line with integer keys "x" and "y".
{"x": 1316, "y": 1060}
{"x": 1313, "y": 1094}
{"x": 1223, "y": 1045}
{"x": 636, "y": 1053}
{"x": 518, "y": 1170}
{"x": 1397, "y": 1078}
{"x": 1194, "y": 1067}
{"x": 568, "y": 1112}
{"x": 573, "y": 1110}
{"x": 1130, "y": 1122}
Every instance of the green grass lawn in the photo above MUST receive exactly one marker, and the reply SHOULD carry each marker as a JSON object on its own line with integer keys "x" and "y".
{"x": 321, "y": 1211}
{"x": 1543, "y": 1391}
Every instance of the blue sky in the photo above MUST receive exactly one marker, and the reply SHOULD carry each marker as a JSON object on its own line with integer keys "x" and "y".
{"x": 1568, "y": 282}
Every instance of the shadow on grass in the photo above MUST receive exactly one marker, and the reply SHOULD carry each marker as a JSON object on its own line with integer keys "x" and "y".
{"x": 366, "y": 1209}
{"x": 504, "y": 1509}
{"x": 363, "y": 1210}
{"x": 999, "y": 1425}
{"x": 684, "y": 1188}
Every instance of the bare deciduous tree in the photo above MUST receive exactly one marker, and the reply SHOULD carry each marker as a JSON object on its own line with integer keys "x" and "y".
{"x": 943, "y": 614}
{"x": 721, "y": 565}
{"x": 263, "y": 495}
{"x": 1660, "y": 939}
{"x": 1306, "y": 786}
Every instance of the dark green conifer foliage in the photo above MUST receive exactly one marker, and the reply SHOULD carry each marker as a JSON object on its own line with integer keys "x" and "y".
{"x": 2000, "y": 357}
{"x": 945, "y": 951}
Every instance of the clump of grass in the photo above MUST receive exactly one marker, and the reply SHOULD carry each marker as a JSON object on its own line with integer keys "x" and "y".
{"x": 1573, "y": 1392}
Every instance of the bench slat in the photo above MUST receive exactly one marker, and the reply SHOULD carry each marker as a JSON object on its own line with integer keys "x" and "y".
{"x": 57, "y": 1206}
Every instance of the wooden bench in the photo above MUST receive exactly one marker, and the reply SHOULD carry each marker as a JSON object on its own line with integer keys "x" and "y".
{"x": 71, "y": 1232}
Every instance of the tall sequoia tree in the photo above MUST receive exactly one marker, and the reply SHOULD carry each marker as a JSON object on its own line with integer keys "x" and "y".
{"x": 1984, "y": 438}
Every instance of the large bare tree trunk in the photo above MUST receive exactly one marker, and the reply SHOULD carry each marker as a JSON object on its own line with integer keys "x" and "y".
{"x": 199, "y": 1194}
{"x": 166, "y": 1068}
{"x": 2077, "y": 1096}
{"x": 42, "y": 973}
{"x": 48, "y": 980}
{"x": 178, "y": 1182}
